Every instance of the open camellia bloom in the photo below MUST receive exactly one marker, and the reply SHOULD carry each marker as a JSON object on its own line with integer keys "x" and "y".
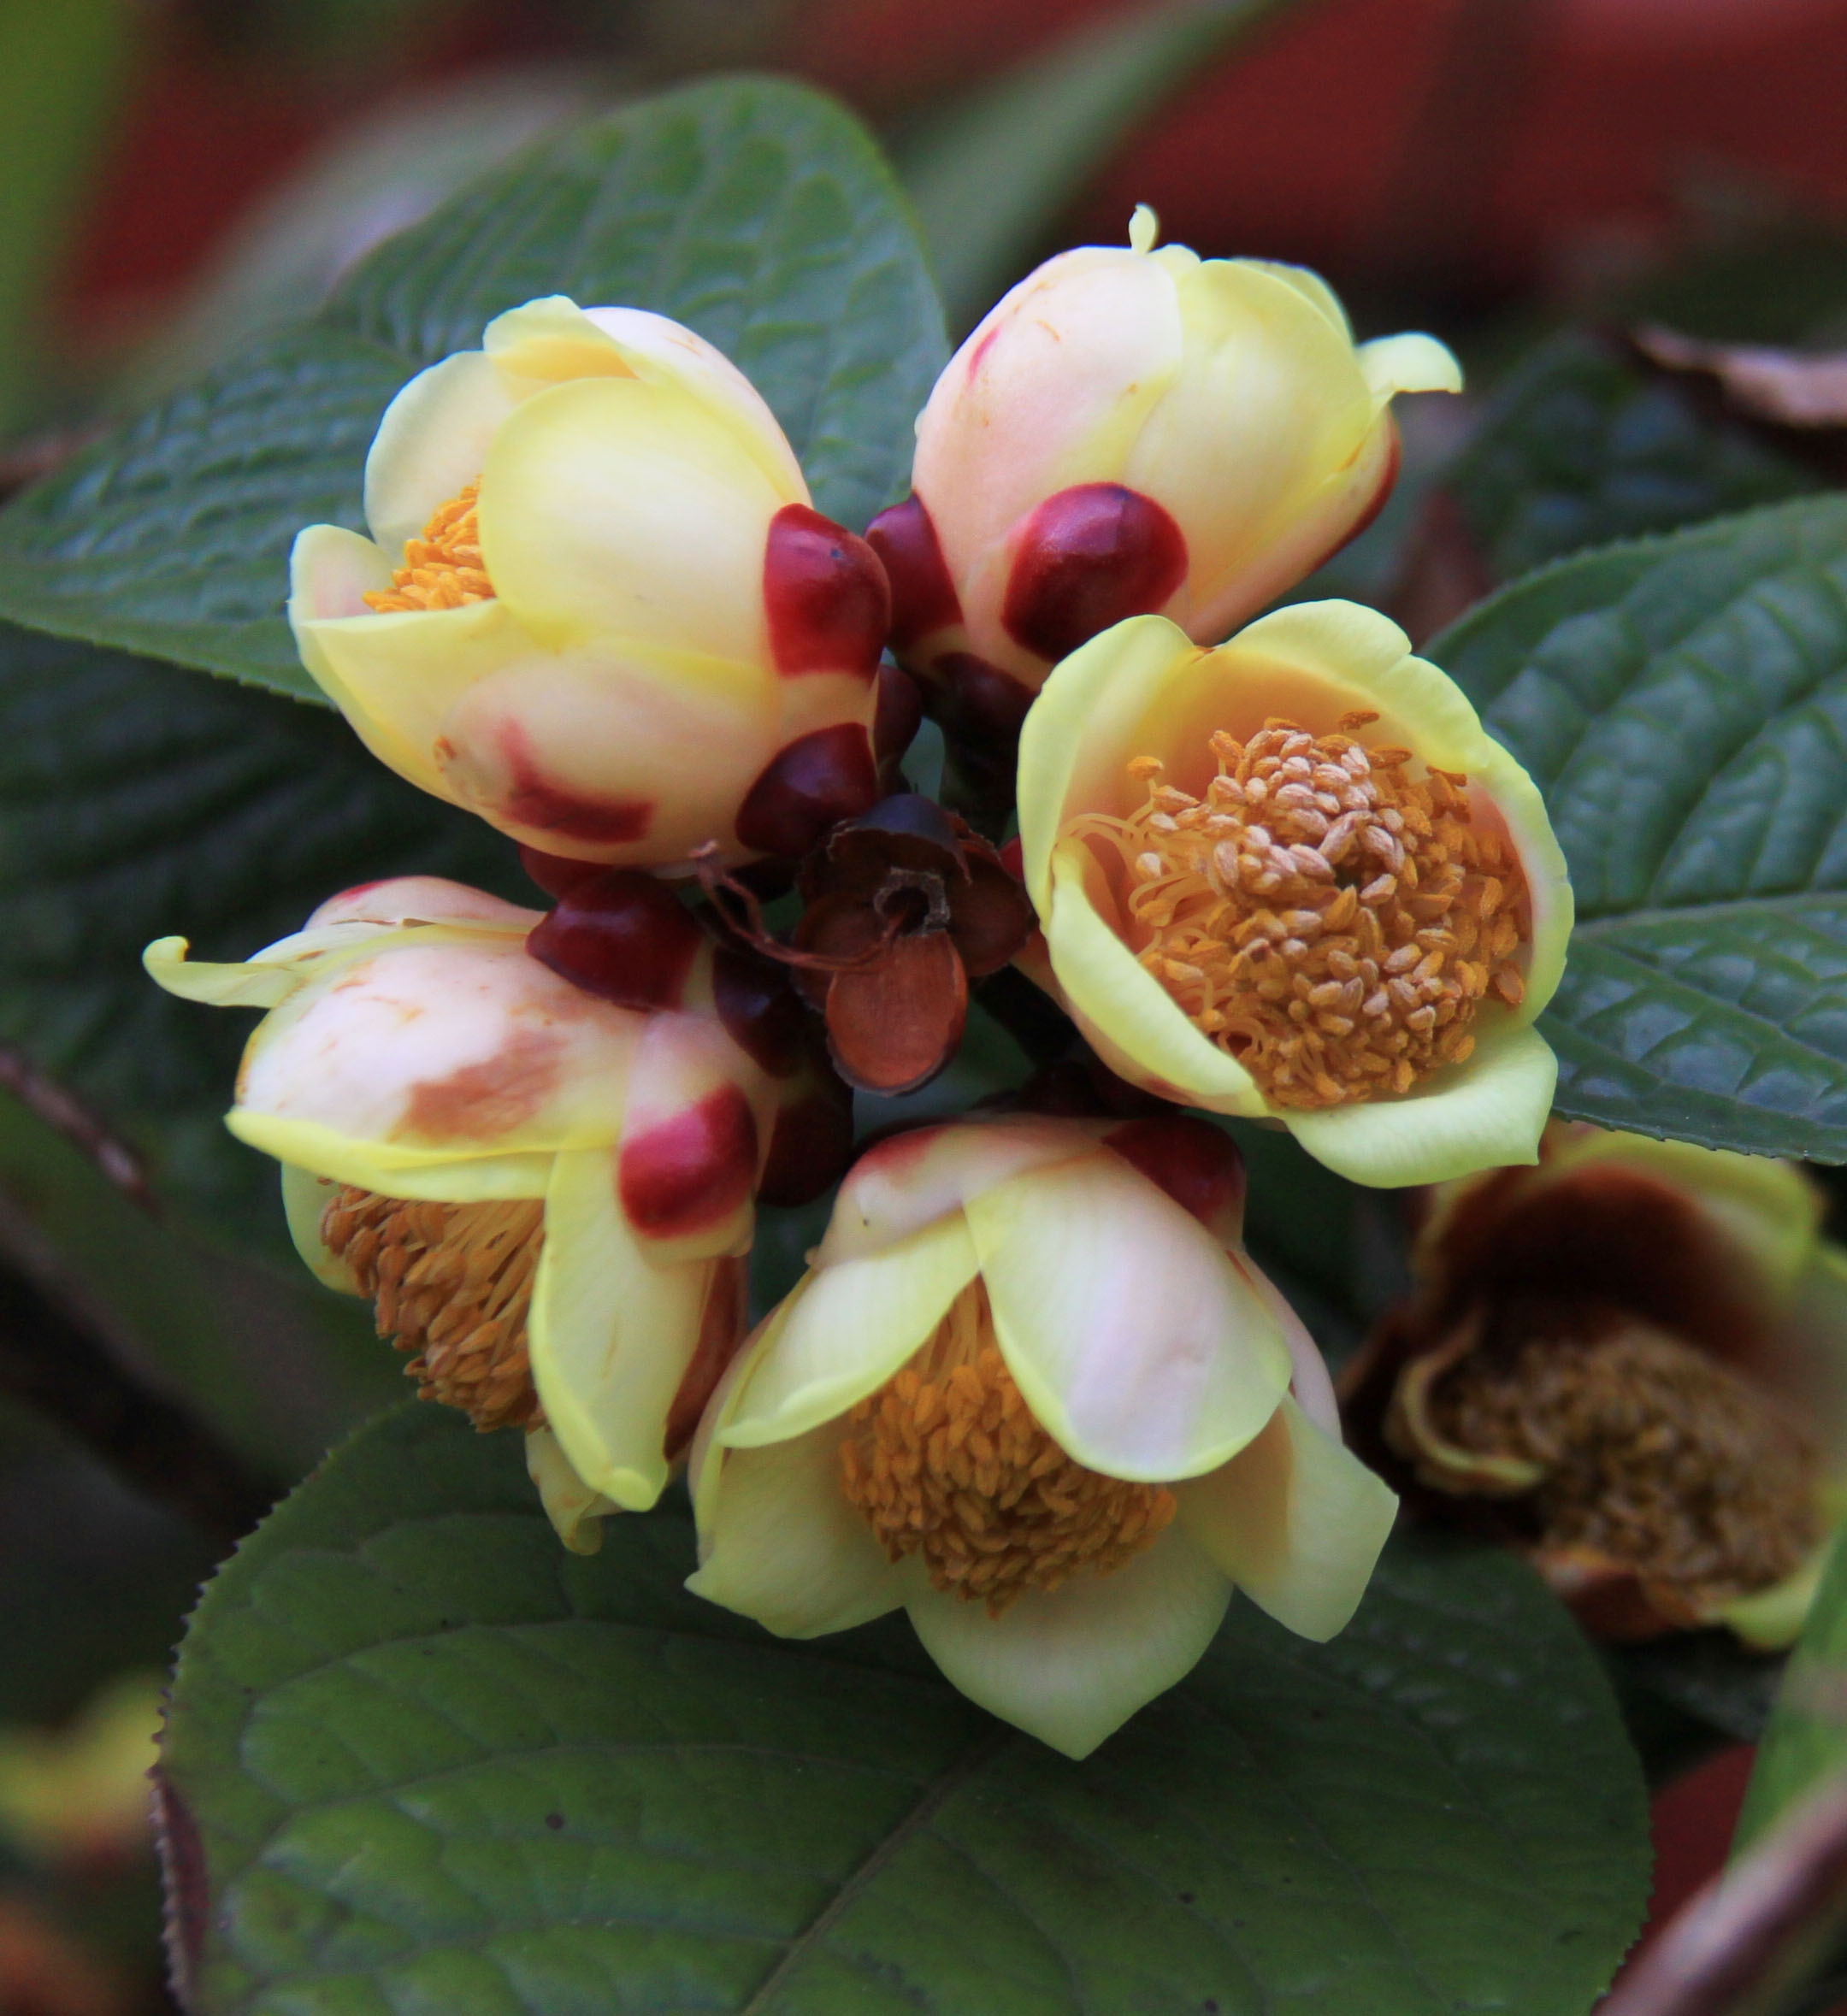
{"x": 547, "y": 1191}
{"x": 600, "y": 611}
{"x": 1293, "y": 877}
{"x": 1132, "y": 431}
{"x": 1033, "y": 1390}
{"x": 1630, "y": 1361}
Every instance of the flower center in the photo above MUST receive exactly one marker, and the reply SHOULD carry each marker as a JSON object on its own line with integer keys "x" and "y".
{"x": 1332, "y": 922}
{"x": 1656, "y": 1456}
{"x": 442, "y": 569}
{"x": 451, "y": 1283}
{"x": 946, "y": 1460}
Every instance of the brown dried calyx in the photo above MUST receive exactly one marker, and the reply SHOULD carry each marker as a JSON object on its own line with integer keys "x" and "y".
{"x": 451, "y": 1283}
{"x": 1648, "y": 1456}
{"x": 905, "y": 907}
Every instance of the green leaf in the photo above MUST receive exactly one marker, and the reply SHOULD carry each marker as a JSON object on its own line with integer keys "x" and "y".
{"x": 420, "y": 1758}
{"x": 1683, "y": 704}
{"x": 754, "y": 210}
{"x": 136, "y": 800}
{"x": 275, "y": 1365}
{"x": 1806, "y": 1739}
{"x": 1582, "y": 446}
{"x": 991, "y": 175}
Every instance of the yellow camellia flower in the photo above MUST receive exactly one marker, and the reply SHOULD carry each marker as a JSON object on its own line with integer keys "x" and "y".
{"x": 1131, "y": 432}
{"x": 1033, "y": 1390}
{"x": 600, "y": 611}
{"x": 1293, "y": 878}
{"x": 546, "y": 1193}
{"x": 1631, "y": 1362}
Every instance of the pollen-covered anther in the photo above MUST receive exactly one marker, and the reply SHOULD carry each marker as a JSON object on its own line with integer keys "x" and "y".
{"x": 946, "y": 1460}
{"x": 451, "y": 1283}
{"x": 1327, "y": 917}
{"x": 442, "y": 569}
{"x": 1656, "y": 1456}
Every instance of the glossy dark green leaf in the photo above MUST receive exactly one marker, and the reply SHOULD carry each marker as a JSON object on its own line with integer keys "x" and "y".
{"x": 754, "y": 210}
{"x": 1583, "y": 446}
{"x": 137, "y": 800}
{"x": 1683, "y": 704}
{"x": 420, "y": 1758}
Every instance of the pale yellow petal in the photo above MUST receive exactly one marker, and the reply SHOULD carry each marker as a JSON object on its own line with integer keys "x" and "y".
{"x": 610, "y": 1334}
{"x": 1072, "y": 1667}
{"x": 1297, "y": 1521}
{"x": 780, "y": 1543}
{"x": 577, "y": 1512}
{"x": 432, "y": 442}
{"x": 1488, "y": 1113}
{"x": 854, "y": 1325}
{"x": 1139, "y": 1347}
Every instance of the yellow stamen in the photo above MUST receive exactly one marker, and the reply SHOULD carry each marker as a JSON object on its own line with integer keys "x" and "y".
{"x": 1330, "y": 921}
{"x": 1656, "y": 1456}
{"x": 946, "y": 1460}
{"x": 451, "y": 1283}
{"x": 442, "y": 569}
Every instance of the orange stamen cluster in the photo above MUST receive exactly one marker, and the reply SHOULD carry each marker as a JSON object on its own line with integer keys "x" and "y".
{"x": 1330, "y": 921}
{"x": 945, "y": 1460}
{"x": 451, "y": 1283}
{"x": 442, "y": 569}
{"x": 1656, "y": 1456}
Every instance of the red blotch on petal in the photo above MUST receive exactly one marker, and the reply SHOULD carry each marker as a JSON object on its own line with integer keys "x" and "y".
{"x": 1087, "y": 558}
{"x": 622, "y": 937}
{"x": 1196, "y": 1164}
{"x": 922, "y": 595}
{"x": 825, "y": 594}
{"x": 814, "y": 783}
{"x": 531, "y": 799}
{"x": 691, "y": 1172}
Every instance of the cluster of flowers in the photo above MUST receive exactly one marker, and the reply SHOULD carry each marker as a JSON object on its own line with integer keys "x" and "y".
{"x": 1032, "y": 1388}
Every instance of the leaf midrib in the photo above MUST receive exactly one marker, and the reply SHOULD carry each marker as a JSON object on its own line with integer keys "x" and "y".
{"x": 949, "y": 1780}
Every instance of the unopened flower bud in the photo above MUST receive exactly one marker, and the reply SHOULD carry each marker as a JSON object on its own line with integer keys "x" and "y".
{"x": 1131, "y": 432}
{"x": 600, "y": 611}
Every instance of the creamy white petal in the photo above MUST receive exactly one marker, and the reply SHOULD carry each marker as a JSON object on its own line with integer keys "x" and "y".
{"x": 1297, "y": 1521}
{"x": 1138, "y": 1345}
{"x": 1072, "y": 1667}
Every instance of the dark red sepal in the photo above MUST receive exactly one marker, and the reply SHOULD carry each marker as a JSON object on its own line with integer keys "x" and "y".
{"x": 1087, "y": 558}
{"x": 825, "y": 596}
{"x": 622, "y": 936}
{"x": 806, "y": 787}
